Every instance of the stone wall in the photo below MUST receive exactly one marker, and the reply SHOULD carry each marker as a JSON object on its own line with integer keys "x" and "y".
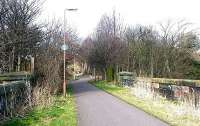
{"x": 184, "y": 93}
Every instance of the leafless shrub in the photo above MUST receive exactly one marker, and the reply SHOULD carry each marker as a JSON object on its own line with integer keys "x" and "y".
{"x": 42, "y": 96}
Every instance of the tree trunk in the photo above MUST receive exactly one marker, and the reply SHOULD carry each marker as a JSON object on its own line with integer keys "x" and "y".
{"x": 105, "y": 77}
{"x": 13, "y": 58}
{"x": 18, "y": 63}
{"x": 10, "y": 62}
{"x": 94, "y": 73}
{"x": 128, "y": 65}
{"x": 152, "y": 65}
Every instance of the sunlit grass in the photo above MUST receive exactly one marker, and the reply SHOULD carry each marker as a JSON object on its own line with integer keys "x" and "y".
{"x": 61, "y": 113}
{"x": 171, "y": 112}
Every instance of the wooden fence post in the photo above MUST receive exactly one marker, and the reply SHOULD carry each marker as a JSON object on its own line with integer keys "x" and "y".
{"x": 32, "y": 64}
{"x": 29, "y": 90}
{"x": 196, "y": 98}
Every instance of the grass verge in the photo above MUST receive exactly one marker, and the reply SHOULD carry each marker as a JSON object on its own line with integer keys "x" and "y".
{"x": 61, "y": 113}
{"x": 160, "y": 110}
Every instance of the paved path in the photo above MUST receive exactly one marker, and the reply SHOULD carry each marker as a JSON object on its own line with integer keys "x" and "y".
{"x": 97, "y": 108}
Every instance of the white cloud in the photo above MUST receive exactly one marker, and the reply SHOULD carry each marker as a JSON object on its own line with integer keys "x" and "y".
{"x": 132, "y": 11}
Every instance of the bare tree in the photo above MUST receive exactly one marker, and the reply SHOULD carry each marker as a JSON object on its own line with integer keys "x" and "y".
{"x": 19, "y": 34}
{"x": 107, "y": 45}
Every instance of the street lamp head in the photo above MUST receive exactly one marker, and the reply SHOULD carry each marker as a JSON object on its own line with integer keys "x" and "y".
{"x": 72, "y": 9}
{"x": 64, "y": 47}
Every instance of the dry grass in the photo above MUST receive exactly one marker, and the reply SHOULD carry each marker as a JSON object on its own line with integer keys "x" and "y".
{"x": 176, "y": 114}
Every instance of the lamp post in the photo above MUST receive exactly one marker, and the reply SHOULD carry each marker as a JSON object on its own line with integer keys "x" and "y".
{"x": 64, "y": 47}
